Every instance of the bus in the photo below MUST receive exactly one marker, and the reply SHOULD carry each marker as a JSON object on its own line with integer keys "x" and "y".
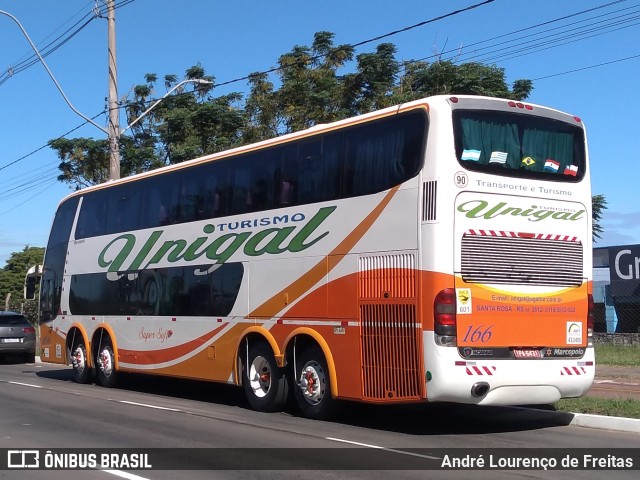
{"x": 435, "y": 251}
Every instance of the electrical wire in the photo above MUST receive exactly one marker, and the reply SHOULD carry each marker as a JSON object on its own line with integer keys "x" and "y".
{"x": 58, "y": 42}
{"x": 517, "y": 49}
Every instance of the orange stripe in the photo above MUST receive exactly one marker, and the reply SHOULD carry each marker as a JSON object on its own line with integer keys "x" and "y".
{"x": 302, "y": 285}
{"x": 166, "y": 354}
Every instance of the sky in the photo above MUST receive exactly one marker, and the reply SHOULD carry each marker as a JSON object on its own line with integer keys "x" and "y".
{"x": 586, "y": 64}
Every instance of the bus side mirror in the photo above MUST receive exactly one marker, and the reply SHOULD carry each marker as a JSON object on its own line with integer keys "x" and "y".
{"x": 31, "y": 280}
{"x": 30, "y": 288}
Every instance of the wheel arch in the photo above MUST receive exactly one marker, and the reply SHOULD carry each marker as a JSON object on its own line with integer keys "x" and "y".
{"x": 72, "y": 335}
{"x": 250, "y": 337}
{"x": 104, "y": 329}
{"x": 309, "y": 337}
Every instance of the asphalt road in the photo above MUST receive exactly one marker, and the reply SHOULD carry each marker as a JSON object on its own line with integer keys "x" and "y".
{"x": 43, "y": 409}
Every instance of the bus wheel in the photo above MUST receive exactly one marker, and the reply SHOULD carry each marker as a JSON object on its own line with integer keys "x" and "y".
{"x": 264, "y": 384}
{"x": 313, "y": 389}
{"x": 106, "y": 365}
{"x": 81, "y": 370}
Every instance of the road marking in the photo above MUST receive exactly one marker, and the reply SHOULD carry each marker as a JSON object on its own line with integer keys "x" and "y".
{"x": 402, "y": 452}
{"x": 157, "y": 407}
{"x": 25, "y": 384}
{"x": 128, "y": 476}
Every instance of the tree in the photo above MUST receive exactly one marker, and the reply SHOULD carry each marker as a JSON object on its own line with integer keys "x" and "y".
{"x": 187, "y": 124}
{"x": 12, "y": 280}
{"x": 598, "y": 205}
{"x": 192, "y": 121}
{"x": 423, "y": 79}
{"x": 311, "y": 90}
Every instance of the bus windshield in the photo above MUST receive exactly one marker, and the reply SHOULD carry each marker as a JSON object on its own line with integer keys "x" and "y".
{"x": 519, "y": 145}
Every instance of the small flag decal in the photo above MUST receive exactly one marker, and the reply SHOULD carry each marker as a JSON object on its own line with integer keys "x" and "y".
{"x": 571, "y": 170}
{"x": 470, "y": 155}
{"x": 551, "y": 166}
{"x": 498, "y": 157}
{"x": 528, "y": 162}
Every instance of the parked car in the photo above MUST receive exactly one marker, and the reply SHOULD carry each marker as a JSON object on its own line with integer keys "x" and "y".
{"x": 17, "y": 336}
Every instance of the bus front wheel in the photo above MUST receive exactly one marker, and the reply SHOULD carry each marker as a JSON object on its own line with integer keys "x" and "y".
{"x": 312, "y": 385}
{"x": 263, "y": 382}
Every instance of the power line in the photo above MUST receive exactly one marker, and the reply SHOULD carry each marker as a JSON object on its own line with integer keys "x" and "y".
{"x": 47, "y": 144}
{"x": 589, "y": 67}
{"x": 125, "y": 2}
{"x": 58, "y": 42}
{"x": 364, "y": 42}
{"x": 456, "y": 51}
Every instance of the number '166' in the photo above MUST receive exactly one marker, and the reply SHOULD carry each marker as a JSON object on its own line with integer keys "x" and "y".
{"x": 478, "y": 334}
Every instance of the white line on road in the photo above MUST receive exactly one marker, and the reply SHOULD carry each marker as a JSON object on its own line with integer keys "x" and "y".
{"x": 128, "y": 476}
{"x": 25, "y": 384}
{"x": 150, "y": 406}
{"x": 402, "y": 452}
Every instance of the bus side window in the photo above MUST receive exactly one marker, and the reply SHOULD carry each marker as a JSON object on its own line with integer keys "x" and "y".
{"x": 285, "y": 194}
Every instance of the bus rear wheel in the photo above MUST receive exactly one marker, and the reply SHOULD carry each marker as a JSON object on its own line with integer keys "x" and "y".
{"x": 81, "y": 369}
{"x": 264, "y": 383}
{"x": 106, "y": 365}
{"x": 312, "y": 389}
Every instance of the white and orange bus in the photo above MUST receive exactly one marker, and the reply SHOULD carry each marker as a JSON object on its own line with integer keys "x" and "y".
{"x": 438, "y": 250}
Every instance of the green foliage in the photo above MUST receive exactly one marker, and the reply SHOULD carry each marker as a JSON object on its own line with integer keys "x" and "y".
{"x": 192, "y": 122}
{"x": 622, "y": 407}
{"x": 598, "y": 205}
{"x": 12, "y": 278}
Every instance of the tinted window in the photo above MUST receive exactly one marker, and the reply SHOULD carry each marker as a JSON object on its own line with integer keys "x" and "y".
{"x": 205, "y": 290}
{"x": 354, "y": 161}
{"x": 13, "y": 320}
{"x": 519, "y": 145}
{"x": 54, "y": 260}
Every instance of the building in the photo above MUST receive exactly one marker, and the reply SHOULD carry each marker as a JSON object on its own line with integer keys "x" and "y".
{"x": 616, "y": 289}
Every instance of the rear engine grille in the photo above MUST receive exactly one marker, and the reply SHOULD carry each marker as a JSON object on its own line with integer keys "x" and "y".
{"x": 390, "y": 352}
{"x": 506, "y": 258}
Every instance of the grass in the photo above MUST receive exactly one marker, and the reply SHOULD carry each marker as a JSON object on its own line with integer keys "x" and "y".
{"x": 628, "y": 355}
{"x": 614, "y": 355}
{"x": 613, "y": 407}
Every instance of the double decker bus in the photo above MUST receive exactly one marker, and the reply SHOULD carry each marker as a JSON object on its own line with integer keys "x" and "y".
{"x": 439, "y": 250}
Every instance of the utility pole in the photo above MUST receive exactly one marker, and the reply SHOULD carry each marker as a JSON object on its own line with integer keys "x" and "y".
{"x": 113, "y": 132}
{"x": 114, "y": 112}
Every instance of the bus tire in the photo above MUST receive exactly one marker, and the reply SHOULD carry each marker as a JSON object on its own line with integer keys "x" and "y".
{"x": 312, "y": 385}
{"x": 105, "y": 365}
{"x": 264, "y": 383}
{"x": 81, "y": 371}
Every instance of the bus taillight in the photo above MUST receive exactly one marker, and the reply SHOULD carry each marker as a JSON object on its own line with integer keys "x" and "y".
{"x": 444, "y": 316}
{"x": 590, "y": 319}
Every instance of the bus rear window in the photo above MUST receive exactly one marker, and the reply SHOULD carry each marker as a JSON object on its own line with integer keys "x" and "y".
{"x": 519, "y": 145}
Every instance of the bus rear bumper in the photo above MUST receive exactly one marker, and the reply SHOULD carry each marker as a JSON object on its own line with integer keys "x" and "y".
{"x": 506, "y": 381}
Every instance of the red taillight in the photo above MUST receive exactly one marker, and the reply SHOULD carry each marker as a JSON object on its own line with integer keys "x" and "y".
{"x": 29, "y": 330}
{"x": 444, "y": 308}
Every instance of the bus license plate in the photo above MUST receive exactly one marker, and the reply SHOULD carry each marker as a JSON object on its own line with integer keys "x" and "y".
{"x": 527, "y": 353}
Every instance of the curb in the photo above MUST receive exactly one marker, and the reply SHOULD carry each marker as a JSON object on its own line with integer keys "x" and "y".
{"x": 604, "y": 422}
